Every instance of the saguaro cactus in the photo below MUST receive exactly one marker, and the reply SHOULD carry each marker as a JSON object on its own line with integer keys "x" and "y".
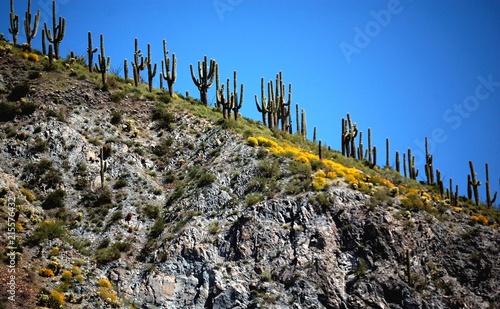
{"x": 429, "y": 169}
{"x": 303, "y": 129}
{"x": 151, "y": 69}
{"x": 474, "y": 183}
{"x": 262, "y": 107}
{"x": 139, "y": 64}
{"x": 349, "y": 133}
{"x": 90, "y": 52}
{"x": 168, "y": 73}
{"x": 58, "y": 29}
{"x": 125, "y": 69}
{"x": 398, "y": 163}
{"x": 30, "y": 32}
{"x": 387, "y": 153}
{"x": 489, "y": 200}
{"x": 102, "y": 65}
{"x": 103, "y": 166}
{"x": 206, "y": 74}
{"x": 230, "y": 102}
{"x": 14, "y": 23}
{"x": 44, "y": 43}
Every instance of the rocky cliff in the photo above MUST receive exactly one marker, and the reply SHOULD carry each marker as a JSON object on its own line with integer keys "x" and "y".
{"x": 142, "y": 201}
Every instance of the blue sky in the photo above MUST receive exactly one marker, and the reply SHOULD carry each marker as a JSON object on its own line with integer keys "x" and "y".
{"x": 406, "y": 69}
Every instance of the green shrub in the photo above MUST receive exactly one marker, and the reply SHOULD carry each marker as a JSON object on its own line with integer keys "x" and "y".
{"x": 101, "y": 197}
{"x": 157, "y": 228}
{"x": 115, "y": 217}
{"x": 55, "y": 199}
{"x": 116, "y": 117}
{"x": 254, "y": 198}
{"x": 268, "y": 168}
{"x": 42, "y": 173}
{"x": 12, "y": 109}
{"x": 151, "y": 211}
{"x": 106, "y": 255}
{"x": 19, "y": 91}
{"x": 214, "y": 227}
{"x": 163, "y": 116}
{"x": 163, "y": 147}
{"x": 47, "y": 230}
{"x": 206, "y": 179}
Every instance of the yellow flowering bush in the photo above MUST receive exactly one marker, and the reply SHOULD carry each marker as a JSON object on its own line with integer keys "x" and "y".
{"x": 480, "y": 219}
{"x": 33, "y": 57}
{"x": 104, "y": 283}
{"x": 106, "y": 292}
{"x": 319, "y": 183}
{"x": 252, "y": 141}
{"x": 66, "y": 276}
{"x": 58, "y": 297}
{"x": 27, "y": 194}
{"x": 19, "y": 226}
{"x": 46, "y": 272}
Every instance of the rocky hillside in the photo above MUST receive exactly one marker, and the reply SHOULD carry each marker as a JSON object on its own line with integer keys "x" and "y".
{"x": 121, "y": 198}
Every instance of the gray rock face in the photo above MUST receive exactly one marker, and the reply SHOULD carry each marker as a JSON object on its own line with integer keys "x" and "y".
{"x": 216, "y": 249}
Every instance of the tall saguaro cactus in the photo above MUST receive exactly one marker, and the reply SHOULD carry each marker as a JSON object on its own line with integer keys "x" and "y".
{"x": 230, "y": 102}
{"x": 303, "y": 129}
{"x": 489, "y": 200}
{"x": 90, "y": 52}
{"x": 429, "y": 169}
{"x": 168, "y": 72}
{"x": 151, "y": 69}
{"x": 102, "y": 65}
{"x": 474, "y": 183}
{"x": 14, "y": 23}
{"x": 58, "y": 29}
{"x": 206, "y": 74}
{"x": 30, "y": 32}
{"x": 139, "y": 64}
{"x": 262, "y": 107}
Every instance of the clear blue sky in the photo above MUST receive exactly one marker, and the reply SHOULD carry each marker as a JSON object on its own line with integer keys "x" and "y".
{"x": 407, "y": 69}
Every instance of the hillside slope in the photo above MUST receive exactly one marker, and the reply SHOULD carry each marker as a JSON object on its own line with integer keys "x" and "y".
{"x": 192, "y": 214}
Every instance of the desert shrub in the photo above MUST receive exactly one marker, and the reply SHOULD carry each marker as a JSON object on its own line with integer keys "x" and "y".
{"x": 106, "y": 255}
{"x": 412, "y": 202}
{"x": 55, "y": 199}
{"x": 252, "y": 141}
{"x": 19, "y": 91}
{"x": 40, "y": 145}
{"x": 42, "y": 173}
{"x": 101, "y": 197}
{"x": 254, "y": 198}
{"x": 51, "y": 299}
{"x": 153, "y": 212}
{"x": 47, "y": 230}
{"x": 12, "y": 109}
{"x": 268, "y": 168}
{"x": 163, "y": 116}
{"x": 157, "y": 228}
{"x": 46, "y": 272}
{"x": 214, "y": 227}
{"x": 66, "y": 276}
{"x": 116, "y": 117}
{"x": 206, "y": 179}
{"x": 121, "y": 182}
{"x": 115, "y": 217}
{"x": 163, "y": 147}
{"x": 319, "y": 183}
{"x": 27, "y": 194}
